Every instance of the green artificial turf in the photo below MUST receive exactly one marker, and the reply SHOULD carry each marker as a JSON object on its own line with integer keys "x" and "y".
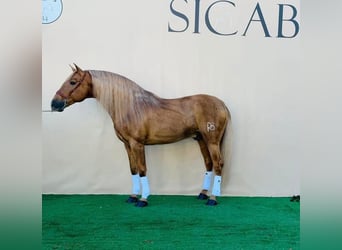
{"x": 169, "y": 222}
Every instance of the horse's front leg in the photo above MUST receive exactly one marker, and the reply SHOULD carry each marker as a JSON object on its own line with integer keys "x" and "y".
{"x": 136, "y": 155}
{"x": 133, "y": 198}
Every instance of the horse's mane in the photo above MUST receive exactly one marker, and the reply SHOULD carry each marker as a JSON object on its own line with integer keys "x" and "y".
{"x": 124, "y": 100}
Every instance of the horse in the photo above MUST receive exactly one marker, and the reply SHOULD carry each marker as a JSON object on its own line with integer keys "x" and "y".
{"x": 142, "y": 118}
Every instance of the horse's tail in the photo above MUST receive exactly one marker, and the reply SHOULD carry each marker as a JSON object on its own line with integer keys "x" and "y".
{"x": 226, "y": 141}
{"x": 226, "y": 149}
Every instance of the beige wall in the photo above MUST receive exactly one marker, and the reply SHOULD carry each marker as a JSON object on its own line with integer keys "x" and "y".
{"x": 258, "y": 78}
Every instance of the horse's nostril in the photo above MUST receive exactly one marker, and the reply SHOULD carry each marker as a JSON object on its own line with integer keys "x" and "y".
{"x": 58, "y": 105}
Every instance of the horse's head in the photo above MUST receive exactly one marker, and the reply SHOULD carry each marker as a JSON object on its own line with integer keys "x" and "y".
{"x": 76, "y": 88}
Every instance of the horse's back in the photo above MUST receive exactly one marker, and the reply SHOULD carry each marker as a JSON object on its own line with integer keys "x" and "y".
{"x": 210, "y": 106}
{"x": 201, "y": 106}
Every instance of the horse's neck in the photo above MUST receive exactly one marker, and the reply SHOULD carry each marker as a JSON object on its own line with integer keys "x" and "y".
{"x": 120, "y": 96}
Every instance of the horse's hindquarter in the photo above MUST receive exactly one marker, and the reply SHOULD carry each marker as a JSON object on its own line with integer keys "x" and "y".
{"x": 211, "y": 113}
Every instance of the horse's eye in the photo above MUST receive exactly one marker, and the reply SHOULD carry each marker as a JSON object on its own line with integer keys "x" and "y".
{"x": 72, "y": 82}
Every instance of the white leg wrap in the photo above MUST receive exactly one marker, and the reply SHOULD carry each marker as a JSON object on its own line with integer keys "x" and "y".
{"x": 207, "y": 180}
{"x": 217, "y": 186}
{"x": 145, "y": 187}
{"x": 136, "y": 184}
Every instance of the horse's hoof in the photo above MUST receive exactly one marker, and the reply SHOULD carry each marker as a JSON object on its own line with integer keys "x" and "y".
{"x": 132, "y": 199}
{"x": 202, "y": 196}
{"x": 211, "y": 202}
{"x": 141, "y": 203}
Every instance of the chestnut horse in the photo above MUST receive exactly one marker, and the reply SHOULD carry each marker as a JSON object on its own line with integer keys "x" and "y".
{"x": 142, "y": 118}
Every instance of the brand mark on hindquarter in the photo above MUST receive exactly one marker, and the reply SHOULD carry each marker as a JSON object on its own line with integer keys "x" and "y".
{"x": 210, "y": 126}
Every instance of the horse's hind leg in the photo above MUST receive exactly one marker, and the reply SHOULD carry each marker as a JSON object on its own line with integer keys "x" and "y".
{"x": 209, "y": 167}
{"x": 215, "y": 153}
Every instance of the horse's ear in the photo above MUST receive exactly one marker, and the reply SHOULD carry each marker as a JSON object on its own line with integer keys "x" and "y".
{"x": 72, "y": 68}
{"x": 77, "y": 68}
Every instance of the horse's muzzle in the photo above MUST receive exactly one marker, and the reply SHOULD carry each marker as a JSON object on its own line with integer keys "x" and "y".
{"x": 58, "y": 105}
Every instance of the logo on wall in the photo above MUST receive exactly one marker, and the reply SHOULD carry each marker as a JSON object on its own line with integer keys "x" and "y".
{"x": 51, "y": 10}
{"x": 235, "y": 18}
